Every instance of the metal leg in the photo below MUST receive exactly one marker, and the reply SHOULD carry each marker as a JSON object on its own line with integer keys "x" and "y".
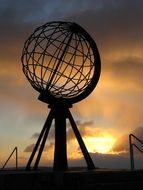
{"x": 47, "y": 124}
{"x": 87, "y": 157}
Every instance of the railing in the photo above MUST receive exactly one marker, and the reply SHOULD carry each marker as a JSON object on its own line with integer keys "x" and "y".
{"x": 132, "y": 145}
{"x": 16, "y": 158}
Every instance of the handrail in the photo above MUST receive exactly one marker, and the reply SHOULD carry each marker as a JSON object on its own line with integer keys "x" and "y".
{"x": 16, "y": 158}
{"x": 131, "y": 135}
{"x": 131, "y": 149}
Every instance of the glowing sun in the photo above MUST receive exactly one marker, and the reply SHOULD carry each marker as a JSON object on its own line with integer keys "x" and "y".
{"x": 101, "y": 144}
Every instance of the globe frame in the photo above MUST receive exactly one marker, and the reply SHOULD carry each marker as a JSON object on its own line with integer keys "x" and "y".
{"x": 45, "y": 94}
{"x": 59, "y": 106}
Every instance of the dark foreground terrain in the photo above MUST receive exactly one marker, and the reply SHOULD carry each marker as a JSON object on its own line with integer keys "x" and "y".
{"x": 74, "y": 179}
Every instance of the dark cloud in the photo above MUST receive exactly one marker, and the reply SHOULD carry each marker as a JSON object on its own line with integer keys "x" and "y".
{"x": 122, "y": 144}
{"x": 35, "y": 136}
{"x": 112, "y": 161}
{"x": 29, "y": 148}
{"x": 111, "y": 20}
{"x": 47, "y": 147}
{"x": 127, "y": 70}
{"x": 81, "y": 125}
{"x": 16, "y": 24}
{"x": 115, "y": 26}
{"x": 138, "y": 132}
{"x": 108, "y": 161}
{"x": 84, "y": 124}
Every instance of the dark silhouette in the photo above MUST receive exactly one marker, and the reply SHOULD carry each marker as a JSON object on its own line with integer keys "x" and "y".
{"x": 62, "y": 62}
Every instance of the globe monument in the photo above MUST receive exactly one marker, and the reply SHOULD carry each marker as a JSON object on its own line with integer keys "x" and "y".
{"x": 61, "y": 61}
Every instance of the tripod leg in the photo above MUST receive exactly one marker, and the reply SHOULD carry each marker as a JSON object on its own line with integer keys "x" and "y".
{"x": 45, "y": 135}
{"x": 87, "y": 157}
{"x": 37, "y": 143}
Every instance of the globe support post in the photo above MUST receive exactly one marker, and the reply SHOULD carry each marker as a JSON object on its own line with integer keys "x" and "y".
{"x": 60, "y": 155}
{"x": 59, "y": 115}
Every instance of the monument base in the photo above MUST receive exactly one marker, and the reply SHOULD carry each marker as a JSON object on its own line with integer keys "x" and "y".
{"x": 76, "y": 180}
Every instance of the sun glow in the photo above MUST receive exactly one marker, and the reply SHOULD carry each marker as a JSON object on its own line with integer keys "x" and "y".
{"x": 101, "y": 144}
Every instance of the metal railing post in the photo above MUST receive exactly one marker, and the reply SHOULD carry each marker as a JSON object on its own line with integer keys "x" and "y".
{"x": 131, "y": 152}
{"x": 131, "y": 149}
{"x": 16, "y": 149}
{"x": 16, "y": 158}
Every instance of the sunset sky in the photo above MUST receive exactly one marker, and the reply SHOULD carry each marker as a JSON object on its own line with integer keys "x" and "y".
{"x": 109, "y": 114}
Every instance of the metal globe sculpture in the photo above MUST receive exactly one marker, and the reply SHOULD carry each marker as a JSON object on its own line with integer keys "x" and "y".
{"x": 61, "y": 61}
